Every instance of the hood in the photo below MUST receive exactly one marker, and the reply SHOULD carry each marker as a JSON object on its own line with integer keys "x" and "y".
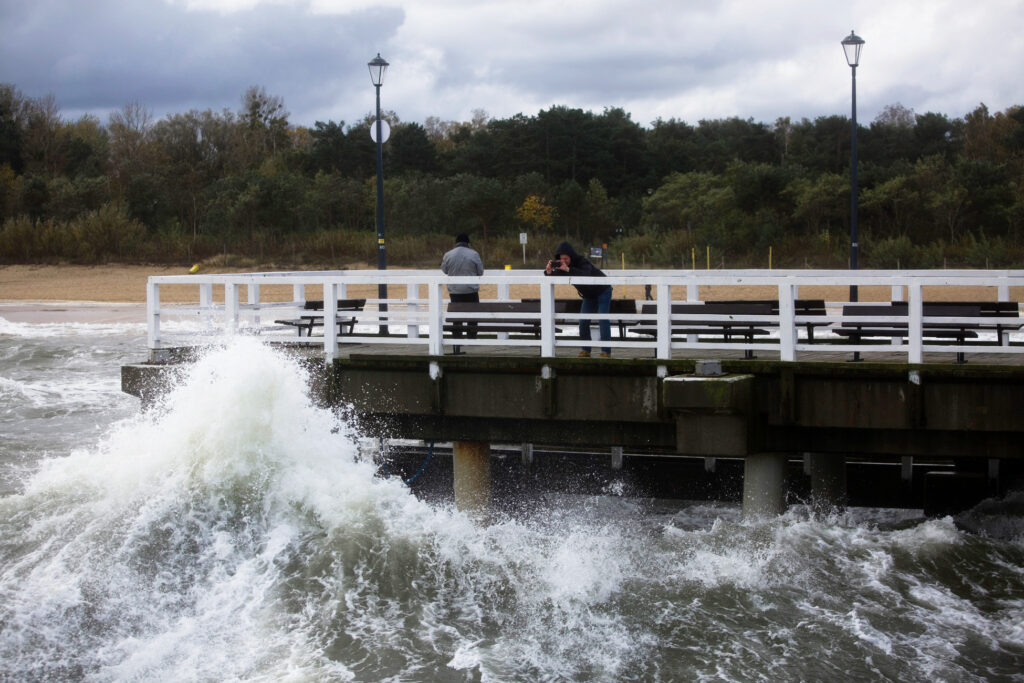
{"x": 566, "y": 248}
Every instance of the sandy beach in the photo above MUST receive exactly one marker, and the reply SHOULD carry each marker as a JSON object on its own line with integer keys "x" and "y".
{"x": 108, "y": 284}
{"x": 66, "y": 293}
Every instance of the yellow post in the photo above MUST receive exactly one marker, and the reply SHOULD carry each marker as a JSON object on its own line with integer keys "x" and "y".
{"x": 769, "y": 257}
{"x": 693, "y": 258}
{"x": 623, "y": 260}
{"x": 709, "y": 256}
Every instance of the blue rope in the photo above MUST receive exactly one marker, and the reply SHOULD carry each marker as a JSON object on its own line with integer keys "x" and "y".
{"x": 430, "y": 454}
{"x": 387, "y": 471}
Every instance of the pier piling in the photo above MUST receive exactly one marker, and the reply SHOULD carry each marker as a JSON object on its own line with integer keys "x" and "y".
{"x": 471, "y": 464}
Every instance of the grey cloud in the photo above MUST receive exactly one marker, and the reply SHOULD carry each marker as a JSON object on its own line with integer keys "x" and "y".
{"x": 97, "y": 56}
{"x": 676, "y": 59}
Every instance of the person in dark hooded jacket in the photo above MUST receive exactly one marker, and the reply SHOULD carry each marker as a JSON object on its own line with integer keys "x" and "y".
{"x": 596, "y": 298}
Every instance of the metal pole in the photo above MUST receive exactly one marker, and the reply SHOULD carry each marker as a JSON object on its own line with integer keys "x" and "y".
{"x": 382, "y": 289}
{"x": 853, "y": 184}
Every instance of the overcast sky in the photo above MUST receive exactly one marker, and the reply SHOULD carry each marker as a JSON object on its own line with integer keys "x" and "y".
{"x": 682, "y": 59}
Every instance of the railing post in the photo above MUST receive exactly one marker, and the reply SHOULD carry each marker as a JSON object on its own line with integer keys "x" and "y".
{"x": 206, "y": 304}
{"x": 915, "y": 330}
{"x": 435, "y": 319}
{"x": 299, "y": 293}
{"x": 547, "y": 319}
{"x": 254, "y": 301}
{"x": 787, "y": 324}
{"x": 152, "y": 314}
{"x": 412, "y": 293}
{"x": 664, "y": 322}
{"x": 231, "y": 306}
{"x": 692, "y": 295}
{"x": 331, "y": 320}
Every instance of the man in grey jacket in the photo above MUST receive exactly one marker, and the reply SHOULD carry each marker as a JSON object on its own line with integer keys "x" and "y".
{"x": 463, "y": 260}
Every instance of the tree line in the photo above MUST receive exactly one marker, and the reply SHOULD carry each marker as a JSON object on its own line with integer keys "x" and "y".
{"x": 248, "y": 185}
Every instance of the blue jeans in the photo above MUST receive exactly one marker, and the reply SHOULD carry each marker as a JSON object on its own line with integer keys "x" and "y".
{"x": 597, "y": 304}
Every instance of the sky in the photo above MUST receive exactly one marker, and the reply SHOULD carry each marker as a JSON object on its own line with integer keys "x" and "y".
{"x": 687, "y": 60}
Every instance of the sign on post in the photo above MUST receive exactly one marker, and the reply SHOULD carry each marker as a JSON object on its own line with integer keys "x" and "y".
{"x": 385, "y": 131}
{"x": 522, "y": 241}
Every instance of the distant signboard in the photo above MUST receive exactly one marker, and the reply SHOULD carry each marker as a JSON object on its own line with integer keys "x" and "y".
{"x": 385, "y": 131}
{"x": 596, "y": 252}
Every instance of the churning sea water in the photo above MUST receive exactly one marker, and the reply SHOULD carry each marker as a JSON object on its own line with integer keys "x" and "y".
{"x": 236, "y": 533}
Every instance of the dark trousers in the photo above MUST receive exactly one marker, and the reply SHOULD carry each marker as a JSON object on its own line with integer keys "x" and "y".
{"x": 472, "y": 297}
{"x": 597, "y": 304}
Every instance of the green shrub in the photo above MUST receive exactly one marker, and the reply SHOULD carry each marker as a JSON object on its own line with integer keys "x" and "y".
{"x": 22, "y": 240}
{"x": 981, "y": 252}
{"x": 889, "y": 252}
{"x": 17, "y": 240}
{"x": 106, "y": 234}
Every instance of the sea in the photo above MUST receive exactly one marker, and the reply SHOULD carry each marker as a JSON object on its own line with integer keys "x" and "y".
{"x": 234, "y": 531}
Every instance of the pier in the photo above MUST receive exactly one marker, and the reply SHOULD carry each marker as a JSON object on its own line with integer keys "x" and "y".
{"x": 926, "y": 390}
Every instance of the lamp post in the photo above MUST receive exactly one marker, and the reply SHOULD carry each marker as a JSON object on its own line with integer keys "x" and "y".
{"x": 378, "y": 67}
{"x": 852, "y": 45}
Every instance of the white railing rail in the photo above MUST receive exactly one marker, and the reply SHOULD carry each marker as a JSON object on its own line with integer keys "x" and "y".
{"x": 417, "y": 301}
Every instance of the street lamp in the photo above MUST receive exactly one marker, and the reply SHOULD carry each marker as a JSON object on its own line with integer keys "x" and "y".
{"x": 377, "y": 69}
{"x": 852, "y": 45}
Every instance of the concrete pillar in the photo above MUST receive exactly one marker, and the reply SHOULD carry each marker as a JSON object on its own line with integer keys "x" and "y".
{"x": 713, "y": 413}
{"x": 764, "y": 484}
{"x": 471, "y": 465}
{"x": 526, "y": 455}
{"x": 616, "y": 457}
{"x": 828, "y": 481}
{"x": 993, "y": 476}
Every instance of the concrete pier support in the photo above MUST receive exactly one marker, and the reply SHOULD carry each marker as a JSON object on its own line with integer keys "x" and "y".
{"x": 764, "y": 484}
{"x": 713, "y": 412}
{"x": 828, "y": 482}
{"x": 471, "y": 464}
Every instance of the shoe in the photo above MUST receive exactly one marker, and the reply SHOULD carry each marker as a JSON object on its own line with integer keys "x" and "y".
{"x": 583, "y": 354}
{"x": 605, "y": 354}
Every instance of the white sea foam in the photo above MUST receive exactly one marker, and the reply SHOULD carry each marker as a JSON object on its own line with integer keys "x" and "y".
{"x": 235, "y": 532}
{"x": 11, "y": 390}
{"x": 236, "y": 444}
{"x": 68, "y": 329}
{"x": 181, "y": 531}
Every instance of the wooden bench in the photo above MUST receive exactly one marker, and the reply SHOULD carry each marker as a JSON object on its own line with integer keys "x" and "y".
{"x": 747, "y": 330}
{"x": 306, "y": 323}
{"x": 1007, "y": 314}
{"x": 801, "y": 308}
{"x": 856, "y": 331}
{"x": 618, "y": 306}
{"x": 493, "y": 324}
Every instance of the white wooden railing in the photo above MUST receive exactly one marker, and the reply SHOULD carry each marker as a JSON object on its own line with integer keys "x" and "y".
{"x": 216, "y": 306}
